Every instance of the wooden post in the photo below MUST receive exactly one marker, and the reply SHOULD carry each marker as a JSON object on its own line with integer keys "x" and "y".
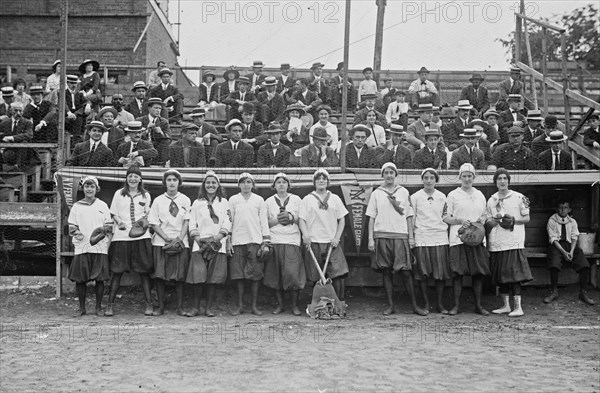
{"x": 544, "y": 70}
{"x": 530, "y": 61}
{"x": 379, "y": 37}
{"x": 517, "y": 54}
{"x": 9, "y": 73}
{"x": 565, "y": 80}
{"x": 61, "y": 139}
{"x": 344, "y": 131}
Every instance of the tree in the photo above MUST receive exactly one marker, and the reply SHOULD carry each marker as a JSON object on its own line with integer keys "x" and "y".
{"x": 582, "y": 38}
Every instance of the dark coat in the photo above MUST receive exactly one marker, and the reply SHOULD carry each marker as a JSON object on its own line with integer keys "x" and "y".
{"x": 590, "y": 136}
{"x": 243, "y": 157}
{"x": 230, "y": 100}
{"x": 82, "y": 156}
{"x": 310, "y": 156}
{"x": 545, "y": 161}
{"x": 133, "y": 108}
{"x": 214, "y": 93}
{"x": 266, "y": 159}
{"x": 452, "y": 131}
{"x": 402, "y": 159}
{"x": 225, "y": 90}
{"x": 271, "y": 110}
{"x": 423, "y": 159}
{"x": 145, "y": 150}
{"x": 37, "y": 113}
{"x": 22, "y": 131}
{"x": 505, "y": 121}
{"x": 506, "y": 157}
{"x": 255, "y": 130}
{"x": 481, "y": 101}
{"x": 367, "y": 159}
{"x": 360, "y": 116}
{"x": 461, "y": 156}
{"x": 289, "y": 84}
{"x": 197, "y": 157}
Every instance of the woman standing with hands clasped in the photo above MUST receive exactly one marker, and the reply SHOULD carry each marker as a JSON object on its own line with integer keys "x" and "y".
{"x": 507, "y": 214}
{"x": 169, "y": 218}
{"x": 466, "y": 205}
{"x": 391, "y": 235}
{"x": 284, "y": 271}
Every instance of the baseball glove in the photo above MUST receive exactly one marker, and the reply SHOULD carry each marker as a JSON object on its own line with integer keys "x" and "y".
{"x": 284, "y": 218}
{"x": 507, "y": 222}
{"x": 472, "y": 235}
{"x": 139, "y": 227}
{"x": 174, "y": 247}
{"x": 97, "y": 235}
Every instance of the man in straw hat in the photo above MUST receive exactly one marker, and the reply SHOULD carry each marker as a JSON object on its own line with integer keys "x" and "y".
{"x": 207, "y": 133}
{"x": 158, "y": 129}
{"x": 539, "y": 143}
{"x": 415, "y": 133}
{"x": 256, "y": 78}
{"x": 431, "y": 155}
{"x": 422, "y": 90}
{"x": 234, "y": 153}
{"x": 468, "y": 152}
{"x": 285, "y": 83}
{"x": 137, "y": 106}
{"x": 317, "y": 83}
{"x": 188, "y": 152}
{"x": 476, "y": 94}
{"x": 492, "y": 131}
{"x": 270, "y": 102}
{"x": 36, "y": 111}
{"x": 317, "y": 153}
{"x": 555, "y": 158}
{"x": 170, "y": 96}
{"x": 395, "y": 151}
{"x": 591, "y": 136}
{"x": 153, "y": 79}
{"x": 358, "y": 154}
{"x": 92, "y": 152}
{"x": 337, "y": 84}
{"x": 273, "y": 153}
{"x": 112, "y": 135}
{"x": 238, "y": 98}
{"x": 533, "y": 129}
{"x": 510, "y": 117}
{"x": 8, "y": 95}
{"x": 136, "y": 152}
{"x": 513, "y": 155}
{"x": 453, "y": 130}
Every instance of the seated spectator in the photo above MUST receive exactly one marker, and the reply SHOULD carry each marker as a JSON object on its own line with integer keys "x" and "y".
{"x": 16, "y": 129}
{"x": 93, "y": 152}
{"x": 337, "y": 84}
{"x": 468, "y": 153}
{"x": 237, "y": 99}
{"x": 415, "y": 135}
{"x": 591, "y": 136}
{"x": 422, "y": 90}
{"x": 510, "y": 117}
{"x": 137, "y": 106}
{"x": 296, "y": 133}
{"x": 8, "y": 94}
{"x": 377, "y": 134}
{"x": 36, "y": 111}
{"x": 452, "y": 132}
{"x": 324, "y": 111}
{"x": 123, "y": 117}
{"x": 367, "y": 87}
{"x": 207, "y": 133}
{"x": 209, "y": 94}
{"x": 270, "y": 102}
{"x": 188, "y": 152}
{"x": 90, "y": 86}
{"x": 308, "y": 98}
{"x": 154, "y": 78}
{"x": 476, "y": 94}
{"x": 486, "y": 130}
{"x": 256, "y": 78}
{"x": 234, "y": 153}
{"x": 540, "y": 142}
{"x": 395, "y": 152}
{"x": 20, "y": 96}
{"x": 253, "y": 130}
{"x": 491, "y": 117}
{"x": 360, "y": 116}
{"x": 481, "y": 143}
{"x": 510, "y": 87}
{"x": 230, "y": 85}
{"x": 388, "y": 93}
{"x": 318, "y": 154}
{"x": 555, "y": 158}
{"x": 430, "y": 156}
{"x": 317, "y": 83}
{"x": 513, "y": 155}
{"x": 135, "y": 152}
{"x": 358, "y": 153}
{"x": 534, "y": 127}
{"x": 273, "y": 153}
{"x": 53, "y": 81}
{"x": 112, "y": 135}
{"x": 75, "y": 104}
{"x": 158, "y": 130}
{"x": 397, "y": 110}
{"x": 170, "y": 96}
{"x": 285, "y": 83}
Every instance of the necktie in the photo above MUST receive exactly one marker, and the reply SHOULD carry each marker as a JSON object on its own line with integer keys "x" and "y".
{"x": 397, "y": 109}
{"x": 14, "y": 123}
{"x": 212, "y": 213}
{"x": 242, "y": 96}
{"x": 234, "y": 146}
{"x": 395, "y": 153}
{"x": 131, "y": 209}
{"x": 470, "y": 155}
{"x": 554, "y": 160}
{"x": 173, "y": 208}
{"x": 563, "y": 232}
{"x": 72, "y": 100}
{"x": 133, "y": 147}
{"x": 94, "y": 146}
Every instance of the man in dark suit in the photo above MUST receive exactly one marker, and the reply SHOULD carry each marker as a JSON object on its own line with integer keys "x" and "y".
{"x": 93, "y": 152}
{"x": 137, "y": 106}
{"x": 253, "y": 133}
{"x": 170, "y": 96}
{"x": 533, "y": 129}
{"x": 482, "y": 144}
{"x": 136, "y": 150}
{"x": 468, "y": 153}
{"x": 158, "y": 129}
{"x": 555, "y": 158}
{"x": 358, "y": 154}
{"x": 112, "y": 135}
{"x": 415, "y": 134}
{"x": 207, "y": 133}
{"x": 317, "y": 83}
{"x": 237, "y": 99}
{"x": 476, "y": 94}
{"x": 430, "y": 156}
{"x": 591, "y": 136}
{"x": 395, "y": 152}
{"x": 492, "y": 130}
{"x": 510, "y": 117}
{"x": 270, "y": 102}
{"x": 273, "y": 153}
{"x": 188, "y": 152}
{"x": 514, "y": 155}
{"x": 309, "y": 98}
{"x": 285, "y": 83}
{"x": 16, "y": 129}
{"x": 256, "y": 78}
{"x": 8, "y": 95}
{"x": 318, "y": 154}
{"x": 361, "y": 115}
{"x": 235, "y": 153}
{"x": 540, "y": 143}
{"x": 36, "y": 111}
{"x": 75, "y": 110}
{"x": 336, "y": 85}
{"x": 510, "y": 86}
{"x": 452, "y": 131}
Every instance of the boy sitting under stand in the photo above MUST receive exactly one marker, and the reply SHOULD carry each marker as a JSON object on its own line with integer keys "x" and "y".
{"x": 563, "y": 235}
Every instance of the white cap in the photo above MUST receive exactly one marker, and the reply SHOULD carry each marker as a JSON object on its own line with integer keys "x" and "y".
{"x": 244, "y": 176}
{"x": 389, "y": 165}
{"x": 466, "y": 167}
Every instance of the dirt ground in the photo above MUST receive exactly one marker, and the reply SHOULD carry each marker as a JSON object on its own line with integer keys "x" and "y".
{"x": 44, "y": 348}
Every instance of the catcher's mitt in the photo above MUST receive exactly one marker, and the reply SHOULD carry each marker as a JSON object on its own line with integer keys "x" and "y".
{"x": 472, "y": 235}
{"x": 174, "y": 247}
{"x": 139, "y": 227}
{"x": 284, "y": 218}
{"x": 507, "y": 222}
{"x": 97, "y": 235}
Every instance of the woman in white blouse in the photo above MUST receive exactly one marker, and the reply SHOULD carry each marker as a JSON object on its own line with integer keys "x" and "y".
{"x": 324, "y": 111}
{"x": 377, "y": 137}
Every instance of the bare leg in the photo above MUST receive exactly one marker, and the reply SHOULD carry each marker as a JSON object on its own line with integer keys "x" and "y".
{"x": 439, "y": 291}
{"x": 408, "y": 283}
{"x": 254, "y": 289}
{"x": 457, "y": 288}
{"x": 388, "y": 286}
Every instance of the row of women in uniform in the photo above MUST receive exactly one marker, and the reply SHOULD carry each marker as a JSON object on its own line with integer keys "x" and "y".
{"x": 248, "y": 240}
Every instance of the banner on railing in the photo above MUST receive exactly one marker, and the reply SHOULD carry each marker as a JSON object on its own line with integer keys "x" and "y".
{"x": 67, "y": 185}
{"x": 356, "y": 199}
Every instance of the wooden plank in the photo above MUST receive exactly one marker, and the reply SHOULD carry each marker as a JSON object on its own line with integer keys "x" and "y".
{"x": 583, "y": 99}
{"x": 587, "y": 152}
{"x": 29, "y": 145}
{"x": 29, "y": 214}
{"x": 17, "y": 179}
{"x": 538, "y": 76}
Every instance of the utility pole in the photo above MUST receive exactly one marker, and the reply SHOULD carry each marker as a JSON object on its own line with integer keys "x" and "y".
{"x": 378, "y": 37}
{"x": 345, "y": 88}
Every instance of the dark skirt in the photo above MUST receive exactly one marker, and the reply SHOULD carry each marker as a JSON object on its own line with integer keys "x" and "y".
{"x": 432, "y": 262}
{"x": 469, "y": 261}
{"x": 285, "y": 269}
{"x": 89, "y": 267}
{"x": 170, "y": 267}
{"x": 201, "y": 271}
{"x": 131, "y": 256}
{"x": 391, "y": 254}
{"x": 509, "y": 267}
{"x": 337, "y": 268}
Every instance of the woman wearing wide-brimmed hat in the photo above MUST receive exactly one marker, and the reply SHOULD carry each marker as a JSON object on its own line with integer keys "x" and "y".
{"x": 296, "y": 133}
{"x": 90, "y": 85}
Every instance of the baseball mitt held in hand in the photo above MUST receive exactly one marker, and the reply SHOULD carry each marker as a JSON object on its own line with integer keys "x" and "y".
{"x": 472, "y": 235}
{"x": 284, "y": 218}
{"x": 507, "y": 222}
{"x": 174, "y": 247}
{"x": 97, "y": 235}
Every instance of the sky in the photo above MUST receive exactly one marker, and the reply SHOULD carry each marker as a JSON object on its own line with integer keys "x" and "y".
{"x": 440, "y": 35}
